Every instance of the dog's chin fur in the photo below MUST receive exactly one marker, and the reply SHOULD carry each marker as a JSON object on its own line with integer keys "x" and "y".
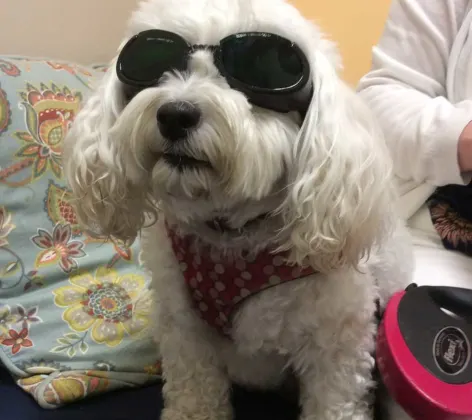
{"x": 322, "y": 183}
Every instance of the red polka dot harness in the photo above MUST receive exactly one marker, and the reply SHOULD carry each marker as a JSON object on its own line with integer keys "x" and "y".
{"x": 218, "y": 284}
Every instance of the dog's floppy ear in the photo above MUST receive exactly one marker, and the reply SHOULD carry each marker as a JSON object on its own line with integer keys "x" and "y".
{"x": 339, "y": 182}
{"x": 94, "y": 160}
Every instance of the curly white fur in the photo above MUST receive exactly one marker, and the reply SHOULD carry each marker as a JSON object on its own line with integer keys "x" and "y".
{"x": 325, "y": 181}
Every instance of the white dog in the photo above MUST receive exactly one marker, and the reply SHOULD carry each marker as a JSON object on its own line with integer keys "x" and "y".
{"x": 268, "y": 171}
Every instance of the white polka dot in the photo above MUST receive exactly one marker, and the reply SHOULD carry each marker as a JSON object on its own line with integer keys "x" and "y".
{"x": 240, "y": 265}
{"x": 237, "y": 299}
{"x": 197, "y": 295}
{"x": 183, "y": 266}
{"x": 219, "y": 268}
{"x": 197, "y": 259}
{"x": 245, "y": 293}
{"x": 239, "y": 282}
{"x": 278, "y": 261}
{"x": 274, "y": 280}
{"x": 296, "y": 272}
{"x": 269, "y": 270}
{"x": 213, "y": 276}
{"x": 246, "y": 275}
{"x": 179, "y": 256}
{"x": 222, "y": 316}
{"x": 203, "y": 306}
{"x": 219, "y": 302}
{"x": 193, "y": 282}
{"x": 199, "y": 277}
{"x": 213, "y": 293}
{"x": 220, "y": 286}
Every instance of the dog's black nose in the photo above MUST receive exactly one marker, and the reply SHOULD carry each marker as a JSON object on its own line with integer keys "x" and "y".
{"x": 175, "y": 119}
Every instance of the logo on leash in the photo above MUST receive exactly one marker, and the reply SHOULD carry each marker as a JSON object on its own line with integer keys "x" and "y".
{"x": 451, "y": 350}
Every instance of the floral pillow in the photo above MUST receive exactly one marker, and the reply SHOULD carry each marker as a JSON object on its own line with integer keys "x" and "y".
{"x": 74, "y": 311}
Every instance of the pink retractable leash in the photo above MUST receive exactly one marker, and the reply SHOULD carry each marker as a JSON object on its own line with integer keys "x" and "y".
{"x": 424, "y": 351}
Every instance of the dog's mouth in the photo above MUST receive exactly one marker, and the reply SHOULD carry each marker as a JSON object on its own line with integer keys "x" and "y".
{"x": 222, "y": 225}
{"x": 181, "y": 161}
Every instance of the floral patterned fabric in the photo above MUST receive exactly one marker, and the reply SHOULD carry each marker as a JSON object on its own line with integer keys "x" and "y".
{"x": 74, "y": 311}
{"x": 450, "y": 207}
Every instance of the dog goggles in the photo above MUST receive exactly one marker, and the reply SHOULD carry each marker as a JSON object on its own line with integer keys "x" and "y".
{"x": 271, "y": 71}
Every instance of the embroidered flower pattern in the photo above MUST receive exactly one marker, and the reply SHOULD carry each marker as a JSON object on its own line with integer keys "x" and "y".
{"x": 66, "y": 387}
{"x": 17, "y": 318}
{"x": 6, "y": 226}
{"x": 108, "y": 304}
{"x": 5, "y": 111}
{"x": 450, "y": 225}
{"x": 154, "y": 369}
{"x": 58, "y": 206}
{"x": 42, "y": 244}
{"x": 104, "y": 366}
{"x": 17, "y": 340}
{"x": 4, "y": 319}
{"x": 42, "y": 367}
{"x": 68, "y": 68}
{"x": 122, "y": 250}
{"x": 58, "y": 248}
{"x": 26, "y": 317}
{"x": 9, "y": 68}
{"x": 49, "y": 115}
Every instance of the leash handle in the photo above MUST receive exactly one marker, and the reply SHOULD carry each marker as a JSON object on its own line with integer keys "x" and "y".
{"x": 454, "y": 299}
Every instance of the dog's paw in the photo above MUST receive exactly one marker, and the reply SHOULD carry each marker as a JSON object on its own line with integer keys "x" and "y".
{"x": 361, "y": 413}
{"x": 361, "y": 416}
{"x": 347, "y": 414}
{"x": 171, "y": 414}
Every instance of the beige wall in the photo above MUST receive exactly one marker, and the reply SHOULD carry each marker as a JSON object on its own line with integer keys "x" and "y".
{"x": 89, "y": 30}
{"x": 355, "y": 24}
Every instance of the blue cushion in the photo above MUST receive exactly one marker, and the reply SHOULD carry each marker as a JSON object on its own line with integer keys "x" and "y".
{"x": 74, "y": 311}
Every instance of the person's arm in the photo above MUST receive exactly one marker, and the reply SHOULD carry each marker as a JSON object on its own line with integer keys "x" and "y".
{"x": 465, "y": 149}
{"x": 406, "y": 89}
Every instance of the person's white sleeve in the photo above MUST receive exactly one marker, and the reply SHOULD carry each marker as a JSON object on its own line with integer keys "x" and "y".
{"x": 406, "y": 89}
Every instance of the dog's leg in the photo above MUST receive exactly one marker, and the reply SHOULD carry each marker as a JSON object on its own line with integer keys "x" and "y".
{"x": 195, "y": 388}
{"x": 335, "y": 385}
{"x": 333, "y": 353}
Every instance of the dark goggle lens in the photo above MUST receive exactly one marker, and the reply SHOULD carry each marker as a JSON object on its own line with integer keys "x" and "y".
{"x": 148, "y": 57}
{"x": 262, "y": 61}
